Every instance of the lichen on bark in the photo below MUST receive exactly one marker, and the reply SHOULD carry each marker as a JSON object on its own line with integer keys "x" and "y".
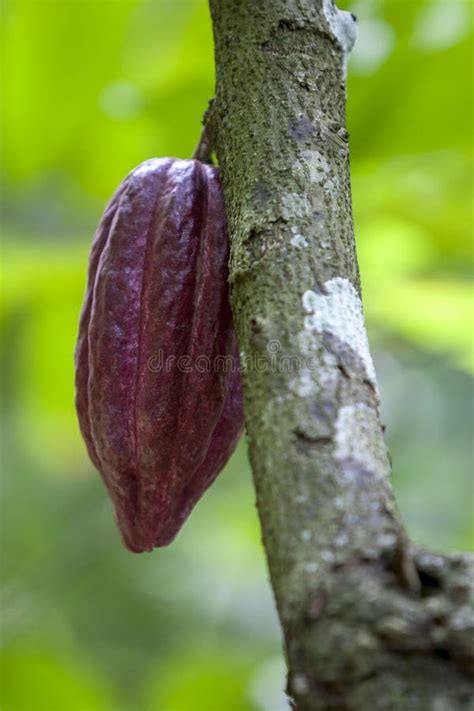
{"x": 369, "y": 621}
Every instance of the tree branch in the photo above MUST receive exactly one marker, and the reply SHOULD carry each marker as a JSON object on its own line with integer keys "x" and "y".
{"x": 369, "y": 621}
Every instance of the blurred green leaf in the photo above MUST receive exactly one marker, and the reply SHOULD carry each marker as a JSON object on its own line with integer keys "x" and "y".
{"x": 42, "y": 293}
{"x": 439, "y": 312}
{"x": 41, "y": 682}
{"x": 402, "y": 295}
{"x": 63, "y": 62}
{"x": 201, "y": 682}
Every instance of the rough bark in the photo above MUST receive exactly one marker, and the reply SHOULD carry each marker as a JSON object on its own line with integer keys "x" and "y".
{"x": 369, "y": 620}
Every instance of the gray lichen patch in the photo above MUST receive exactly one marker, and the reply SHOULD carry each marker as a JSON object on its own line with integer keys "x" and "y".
{"x": 293, "y": 206}
{"x": 303, "y": 384}
{"x": 314, "y": 165}
{"x": 355, "y": 438}
{"x": 342, "y": 25}
{"x": 319, "y": 371}
{"x": 298, "y": 241}
{"x": 339, "y": 311}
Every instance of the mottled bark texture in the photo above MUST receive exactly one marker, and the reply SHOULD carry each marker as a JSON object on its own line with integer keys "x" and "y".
{"x": 369, "y": 620}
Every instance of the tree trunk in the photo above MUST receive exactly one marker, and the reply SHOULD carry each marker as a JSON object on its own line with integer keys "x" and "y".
{"x": 370, "y": 621}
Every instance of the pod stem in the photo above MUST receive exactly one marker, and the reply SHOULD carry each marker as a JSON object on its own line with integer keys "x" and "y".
{"x": 205, "y": 146}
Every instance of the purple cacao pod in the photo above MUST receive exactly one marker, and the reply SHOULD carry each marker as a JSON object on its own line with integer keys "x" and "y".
{"x": 158, "y": 391}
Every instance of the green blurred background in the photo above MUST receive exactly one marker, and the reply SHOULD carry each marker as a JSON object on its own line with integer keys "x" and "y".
{"x": 91, "y": 88}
